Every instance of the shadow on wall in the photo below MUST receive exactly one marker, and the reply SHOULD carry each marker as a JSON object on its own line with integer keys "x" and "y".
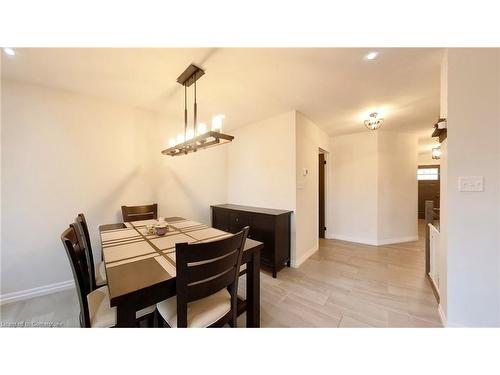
{"x": 189, "y": 190}
{"x": 114, "y": 197}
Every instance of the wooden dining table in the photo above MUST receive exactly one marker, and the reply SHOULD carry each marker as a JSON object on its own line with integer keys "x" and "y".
{"x": 140, "y": 267}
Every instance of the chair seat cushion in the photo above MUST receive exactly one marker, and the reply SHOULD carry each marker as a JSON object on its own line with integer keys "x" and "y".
{"x": 100, "y": 275}
{"x": 102, "y": 315}
{"x": 200, "y": 313}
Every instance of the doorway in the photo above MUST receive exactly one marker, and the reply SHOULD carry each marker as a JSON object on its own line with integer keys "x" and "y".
{"x": 428, "y": 177}
{"x": 321, "y": 194}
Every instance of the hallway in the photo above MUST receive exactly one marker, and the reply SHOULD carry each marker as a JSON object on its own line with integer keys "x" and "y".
{"x": 353, "y": 285}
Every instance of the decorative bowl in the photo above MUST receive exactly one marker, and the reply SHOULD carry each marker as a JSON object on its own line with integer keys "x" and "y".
{"x": 161, "y": 230}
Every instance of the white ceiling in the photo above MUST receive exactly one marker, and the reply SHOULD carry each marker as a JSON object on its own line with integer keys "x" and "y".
{"x": 335, "y": 87}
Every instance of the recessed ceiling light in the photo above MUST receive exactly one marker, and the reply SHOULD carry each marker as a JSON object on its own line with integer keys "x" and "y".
{"x": 371, "y": 56}
{"x": 9, "y": 51}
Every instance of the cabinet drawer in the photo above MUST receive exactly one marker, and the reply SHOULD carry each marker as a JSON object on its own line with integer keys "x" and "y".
{"x": 239, "y": 220}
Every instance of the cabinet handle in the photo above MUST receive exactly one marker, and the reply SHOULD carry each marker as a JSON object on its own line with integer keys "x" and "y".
{"x": 237, "y": 219}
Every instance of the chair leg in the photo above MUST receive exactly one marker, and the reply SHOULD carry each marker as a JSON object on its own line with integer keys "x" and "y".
{"x": 162, "y": 323}
{"x": 151, "y": 320}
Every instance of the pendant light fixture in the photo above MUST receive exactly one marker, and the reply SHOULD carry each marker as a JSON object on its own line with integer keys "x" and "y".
{"x": 373, "y": 123}
{"x": 196, "y": 137}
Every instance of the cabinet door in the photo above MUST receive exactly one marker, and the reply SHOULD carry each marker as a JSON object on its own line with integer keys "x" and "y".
{"x": 238, "y": 220}
{"x": 262, "y": 230}
{"x": 220, "y": 219}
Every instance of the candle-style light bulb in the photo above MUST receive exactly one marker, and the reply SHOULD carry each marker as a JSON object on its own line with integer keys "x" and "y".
{"x": 180, "y": 138}
{"x": 189, "y": 134}
{"x": 217, "y": 123}
{"x": 171, "y": 142}
{"x": 202, "y": 128}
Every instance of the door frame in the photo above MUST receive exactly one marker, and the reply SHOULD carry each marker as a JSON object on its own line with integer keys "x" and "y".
{"x": 328, "y": 232}
{"x": 423, "y": 166}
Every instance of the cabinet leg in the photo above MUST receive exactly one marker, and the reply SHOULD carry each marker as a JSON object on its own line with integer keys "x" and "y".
{"x": 288, "y": 263}
{"x": 274, "y": 273}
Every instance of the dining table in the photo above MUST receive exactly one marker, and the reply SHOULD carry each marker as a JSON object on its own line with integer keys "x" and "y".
{"x": 140, "y": 266}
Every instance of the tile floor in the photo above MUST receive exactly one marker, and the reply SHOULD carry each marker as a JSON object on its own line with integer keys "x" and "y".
{"x": 342, "y": 285}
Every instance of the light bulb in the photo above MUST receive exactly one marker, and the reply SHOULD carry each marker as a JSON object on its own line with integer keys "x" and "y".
{"x": 171, "y": 142}
{"x": 436, "y": 152}
{"x": 202, "y": 128}
{"x": 371, "y": 56}
{"x": 217, "y": 123}
{"x": 9, "y": 51}
{"x": 180, "y": 138}
{"x": 189, "y": 134}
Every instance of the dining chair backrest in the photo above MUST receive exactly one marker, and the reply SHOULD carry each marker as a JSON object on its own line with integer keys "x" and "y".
{"x": 206, "y": 268}
{"x": 134, "y": 213}
{"x": 86, "y": 244}
{"x": 78, "y": 261}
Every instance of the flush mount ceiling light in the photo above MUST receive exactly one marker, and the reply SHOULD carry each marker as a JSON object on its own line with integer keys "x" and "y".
{"x": 9, "y": 51}
{"x": 373, "y": 123}
{"x": 197, "y": 137}
{"x": 371, "y": 56}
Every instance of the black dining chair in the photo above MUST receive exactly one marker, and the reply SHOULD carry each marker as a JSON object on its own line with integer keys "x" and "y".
{"x": 206, "y": 284}
{"x": 97, "y": 274}
{"x": 135, "y": 213}
{"x": 95, "y": 308}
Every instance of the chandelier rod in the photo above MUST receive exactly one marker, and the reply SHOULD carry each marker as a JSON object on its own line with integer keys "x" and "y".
{"x": 195, "y": 125}
{"x": 185, "y": 112}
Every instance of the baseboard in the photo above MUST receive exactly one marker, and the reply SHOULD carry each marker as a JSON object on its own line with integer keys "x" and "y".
{"x": 363, "y": 241}
{"x": 366, "y": 241}
{"x": 442, "y": 316}
{"x": 391, "y": 241}
{"x": 329, "y": 236}
{"x": 36, "y": 292}
{"x": 303, "y": 258}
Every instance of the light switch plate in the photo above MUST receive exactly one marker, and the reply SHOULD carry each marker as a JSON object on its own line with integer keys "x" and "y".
{"x": 470, "y": 183}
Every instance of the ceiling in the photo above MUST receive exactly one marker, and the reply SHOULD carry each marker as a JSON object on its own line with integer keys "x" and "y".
{"x": 335, "y": 87}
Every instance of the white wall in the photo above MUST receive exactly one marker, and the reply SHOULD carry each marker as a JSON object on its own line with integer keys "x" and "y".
{"x": 374, "y": 187}
{"x": 397, "y": 187}
{"x": 62, "y": 154}
{"x": 309, "y": 138}
{"x": 261, "y": 163}
{"x": 261, "y": 166}
{"x": 443, "y": 198}
{"x": 353, "y": 187}
{"x": 498, "y": 230}
{"x": 473, "y": 296}
{"x": 426, "y": 159}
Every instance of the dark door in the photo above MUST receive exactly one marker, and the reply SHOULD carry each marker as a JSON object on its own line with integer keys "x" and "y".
{"x": 321, "y": 168}
{"x": 428, "y": 187}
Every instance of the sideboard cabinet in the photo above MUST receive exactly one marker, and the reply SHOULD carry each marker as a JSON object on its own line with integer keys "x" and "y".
{"x": 270, "y": 226}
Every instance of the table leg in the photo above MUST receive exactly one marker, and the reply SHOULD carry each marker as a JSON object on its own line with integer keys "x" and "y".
{"x": 125, "y": 316}
{"x": 253, "y": 291}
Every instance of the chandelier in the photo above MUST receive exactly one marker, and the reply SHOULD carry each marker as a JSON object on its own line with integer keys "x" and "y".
{"x": 196, "y": 137}
{"x": 373, "y": 123}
